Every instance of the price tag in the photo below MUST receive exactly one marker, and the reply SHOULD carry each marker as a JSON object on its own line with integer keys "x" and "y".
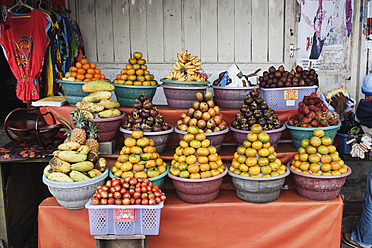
{"x": 290, "y": 103}
{"x": 290, "y": 94}
{"x": 125, "y": 215}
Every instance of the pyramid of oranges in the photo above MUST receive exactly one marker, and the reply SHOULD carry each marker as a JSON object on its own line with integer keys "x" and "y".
{"x": 256, "y": 157}
{"x": 317, "y": 156}
{"x": 195, "y": 157}
{"x": 138, "y": 158}
{"x": 84, "y": 71}
{"x": 135, "y": 72}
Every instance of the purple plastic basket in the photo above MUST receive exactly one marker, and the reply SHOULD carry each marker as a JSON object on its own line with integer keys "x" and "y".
{"x": 318, "y": 188}
{"x": 286, "y": 98}
{"x": 230, "y": 98}
{"x": 181, "y": 97}
{"x": 216, "y": 138}
{"x": 274, "y": 134}
{"x": 101, "y": 219}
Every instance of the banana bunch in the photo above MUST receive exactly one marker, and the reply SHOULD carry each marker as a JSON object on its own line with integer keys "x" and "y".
{"x": 184, "y": 67}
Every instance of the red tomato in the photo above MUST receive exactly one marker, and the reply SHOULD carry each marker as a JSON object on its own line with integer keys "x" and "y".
{"x": 109, "y": 183}
{"x": 126, "y": 185}
{"x": 127, "y": 195}
{"x": 104, "y": 201}
{"x": 133, "y": 181}
{"x": 117, "y": 201}
{"x": 143, "y": 189}
{"x": 111, "y": 201}
{"x": 138, "y": 201}
{"x": 117, "y": 187}
{"x": 146, "y": 180}
{"x": 132, "y": 201}
{"x": 136, "y": 195}
{"x": 139, "y": 180}
{"x": 131, "y": 191}
{"x": 163, "y": 197}
{"x": 95, "y": 201}
{"x": 126, "y": 201}
{"x": 122, "y": 180}
{"x": 144, "y": 195}
{"x": 105, "y": 188}
{"x": 145, "y": 201}
{"x": 116, "y": 182}
{"x": 152, "y": 202}
{"x": 104, "y": 194}
{"x": 151, "y": 196}
{"x": 112, "y": 189}
{"x": 157, "y": 200}
{"x": 127, "y": 179}
{"x": 117, "y": 195}
{"x": 123, "y": 191}
{"x": 110, "y": 195}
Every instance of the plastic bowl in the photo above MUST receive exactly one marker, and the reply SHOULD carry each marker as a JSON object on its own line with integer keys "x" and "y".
{"x": 230, "y": 97}
{"x": 179, "y": 97}
{"x": 300, "y": 133}
{"x": 159, "y": 180}
{"x": 73, "y": 91}
{"x": 198, "y": 190}
{"x": 183, "y": 83}
{"x": 160, "y": 138}
{"x": 127, "y": 94}
{"x": 258, "y": 189}
{"x": 74, "y": 195}
{"x": 108, "y": 127}
{"x": 274, "y": 134}
{"x": 216, "y": 138}
{"x": 318, "y": 188}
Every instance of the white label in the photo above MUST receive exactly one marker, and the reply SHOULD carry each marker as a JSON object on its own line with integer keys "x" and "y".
{"x": 290, "y": 102}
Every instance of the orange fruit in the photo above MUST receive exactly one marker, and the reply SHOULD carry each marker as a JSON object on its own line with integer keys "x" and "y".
{"x": 297, "y": 163}
{"x": 97, "y": 71}
{"x": 325, "y": 167}
{"x": 81, "y": 71}
{"x": 335, "y": 166}
{"x": 326, "y": 141}
{"x": 146, "y": 83}
{"x": 305, "y": 142}
{"x": 141, "y": 61}
{"x": 193, "y": 168}
{"x": 144, "y": 67}
{"x": 191, "y": 159}
{"x": 266, "y": 145}
{"x": 272, "y": 157}
{"x": 184, "y": 174}
{"x": 73, "y": 74}
{"x": 212, "y": 149}
{"x": 97, "y": 76}
{"x": 84, "y": 61}
{"x": 205, "y": 174}
{"x": 123, "y": 77}
{"x": 73, "y": 68}
{"x": 315, "y": 141}
{"x": 136, "y": 66}
{"x": 314, "y": 158}
{"x": 243, "y": 167}
{"x": 240, "y": 150}
{"x": 311, "y": 149}
{"x": 250, "y": 152}
{"x": 322, "y": 149}
{"x": 80, "y": 77}
{"x": 200, "y": 136}
{"x": 103, "y": 77}
{"x": 257, "y": 145}
{"x": 88, "y": 76}
{"x": 326, "y": 159}
{"x": 137, "y": 55}
{"x": 305, "y": 166}
{"x": 204, "y": 166}
{"x": 93, "y": 65}
{"x": 203, "y": 159}
{"x": 132, "y": 61}
{"x": 137, "y": 134}
{"x": 251, "y": 161}
{"x": 139, "y": 72}
{"x": 263, "y": 137}
{"x": 86, "y": 66}
{"x": 263, "y": 161}
{"x": 263, "y": 152}
{"x": 254, "y": 170}
{"x": 334, "y": 157}
{"x": 266, "y": 170}
{"x": 318, "y": 132}
{"x": 301, "y": 150}
{"x": 90, "y": 71}
{"x": 304, "y": 157}
{"x": 206, "y": 143}
{"x": 194, "y": 176}
{"x": 251, "y": 137}
{"x": 78, "y": 65}
{"x": 256, "y": 128}
{"x": 314, "y": 168}
{"x": 297, "y": 157}
{"x": 331, "y": 148}
{"x": 274, "y": 166}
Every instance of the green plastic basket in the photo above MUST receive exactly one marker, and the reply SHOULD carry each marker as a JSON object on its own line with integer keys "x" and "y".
{"x": 300, "y": 133}
{"x": 73, "y": 91}
{"x": 159, "y": 180}
{"x": 127, "y": 94}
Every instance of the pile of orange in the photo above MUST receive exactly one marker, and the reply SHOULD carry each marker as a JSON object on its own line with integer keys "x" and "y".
{"x": 196, "y": 158}
{"x": 85, "y": 71}
{"x": 135, "y": 72}
{"x": 257, "y": 157}
{"x": 138, "y": 158}
{"x": 317, "y": 156}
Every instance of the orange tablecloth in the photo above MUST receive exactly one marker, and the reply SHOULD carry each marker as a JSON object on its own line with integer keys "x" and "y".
{"x": 290, "y": 221}
{"x": 172, "y": 115}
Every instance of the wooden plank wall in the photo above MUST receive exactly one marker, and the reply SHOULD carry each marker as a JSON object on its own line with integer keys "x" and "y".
{"x": 218, "y": 31}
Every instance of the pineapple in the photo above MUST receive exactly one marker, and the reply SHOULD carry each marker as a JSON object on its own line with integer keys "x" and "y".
{"x": 67, "y": 130}
{"x": 91, "y": 142}
{"x": 79, "y": 134}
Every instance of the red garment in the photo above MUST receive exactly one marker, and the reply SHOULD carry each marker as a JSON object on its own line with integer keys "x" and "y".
{"x": 24, "y": 44}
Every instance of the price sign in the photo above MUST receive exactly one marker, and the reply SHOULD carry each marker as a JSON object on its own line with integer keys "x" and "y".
{"x": 290, "y": 94}
{"x": 125, "y": 215}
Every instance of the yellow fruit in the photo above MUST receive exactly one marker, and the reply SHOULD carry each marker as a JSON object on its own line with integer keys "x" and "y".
{"x": 251, "y": 161}
{"x": 250, "y": 152}
{"x": 263, "y": 152}
{"x": 251, "y": 137}
{"x": 305, "y": 166}
{"x": 266, "y": 170}
{"x": 257, "y": 145}
{"x": 263, "y": 137}
{"x": 254, "y": 170}
{"x": 305, "y": 143}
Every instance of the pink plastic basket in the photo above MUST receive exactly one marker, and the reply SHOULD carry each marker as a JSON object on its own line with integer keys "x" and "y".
{"x": 102, "y": 219}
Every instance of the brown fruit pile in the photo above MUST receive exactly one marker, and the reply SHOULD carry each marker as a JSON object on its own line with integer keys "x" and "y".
{"x": 312, "y": 113}
{"x": 203, "y": 114}
{"x": 277, "y": 78}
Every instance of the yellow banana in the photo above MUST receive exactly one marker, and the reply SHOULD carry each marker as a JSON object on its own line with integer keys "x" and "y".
{"x": 193, "y": 57}
{"x": 180, "y": 58}
{"x": 197, "y": 68}
{"x": 198, "y": 63}
{"x": 176, "y": 67}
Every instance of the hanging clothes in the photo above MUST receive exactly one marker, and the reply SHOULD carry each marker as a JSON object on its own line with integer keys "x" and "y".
{"x": 24, "y": 44}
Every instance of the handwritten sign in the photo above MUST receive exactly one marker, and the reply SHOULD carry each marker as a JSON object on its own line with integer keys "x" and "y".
{"x": 125, "y": 215}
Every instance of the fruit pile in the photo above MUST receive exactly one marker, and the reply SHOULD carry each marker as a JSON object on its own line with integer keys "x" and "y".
{"x": 256, "y": 157}
{"x": 195, "y": 158}
{"x": 97, "y": 103}
{"x": 246, "y": 82}
{"x": 186, "y": 69}
{"x": 203, "y": 114}
{"x": 128, "y": 191}
{"x": 318, "y": 156}
{"x": 138, "y": 158}
{"x": 135, "y": 72}
{"x": 277, "y": 78}
{"x": 312, "y": 113}
{"x": 73, "y": 162}
{"x": 84, "y": 71}
{"x": 145, "y": 117}
{"x": 255, "y": 111}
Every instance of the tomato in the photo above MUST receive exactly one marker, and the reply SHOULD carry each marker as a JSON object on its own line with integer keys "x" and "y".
{"x": 98, "y": 195}
{"x": 122, "y": 180}
{"x": 127, "y": 179}
{"x": 157, "y": 194}
{"x": 117, "y": 195}
{"x": 151, "y": 196}
{"x": 105, "y": 188}
{"x": 104, "y": 194}
{"x": 116, "y": 182}
{"x": 157, "y": 200}
{"x": 163, "y": 197}
{"x": 133, "y": 181}
{"x": 131, "y": 191}
{"x": 126, "y": 201}
{"x": 139, "y": 180}
{"x": 104, "y": 201}
{"x": 152, "y": 202}
{"x": 144, "y": 195}
{"x": 123, "y": 191}
{"x": 99, "y": 187}
{"x": 136, "y": 195}
{"x": 143, "y": 189}
{"x": 138, "y": 201}
{"x": 112, "y": 190}
{"x": 132, "y": 201}
{"x": 137, "y": 189}
{"x": 117, "y": 187}
{"x": 146, "y": 180}
{"x": 145, "y": 201}
{"x": 126, "y": 185}
{"x": 126, "y": 195}
{"x": 117, "y": 201}
{"x": 95, "y": 201}
{"x": 109, "y": 183}
{"x": 111, "y": 201}
{"x": 110, "y": 195}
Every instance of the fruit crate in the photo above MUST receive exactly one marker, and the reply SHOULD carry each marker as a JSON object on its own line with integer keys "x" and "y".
{"x": 285, "y": 98}
{"x": 124, "y": 219}
{"x": 342, "y": 147}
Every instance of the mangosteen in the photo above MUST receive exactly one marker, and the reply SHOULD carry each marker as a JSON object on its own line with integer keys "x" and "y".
{"x": 154, "y": 111}
{"x": 125, "y": 124}
{"x": 259, "y": 100}
{"x": 243, "y": 108}
{"x": 264, "y": 106}
{"x": 138, "y": 120}
{"x": 261, "y": 121}
{"x": 251, "y": 121}
{"x": 129, "y": 127}
{"x": 238, "y": 116}
{"x": 145, "y": 113}
{"x": 248, "y": 114}
{"x": 248, "y": 100}
{"x": 130, "y": 119}
{"x": 136, "y": 127}
{"x": 254, "y": 93}
{"x": 278, "y": 125}
{"x": 244, "y": 120}
{"x": 142, "y": 97}
{"x": 159, "y": 119}
{"x": 147, "y": 128}
{"x": 157, "y": 128}
{"x": 166, "y": 126}
{"x": 272, "y": 112}
{"x": 258, "y": 115}
{"x": 147, "y": 104}
{"x": 149, "y": 121}
{"x": 278, "y": 74}
{"x": 269, "y": 121}
{"x": 137, "y": 104}
{"x": 235, "y": 124}
{"x": 245, "y": 127}
{"x": 266, "y": 114}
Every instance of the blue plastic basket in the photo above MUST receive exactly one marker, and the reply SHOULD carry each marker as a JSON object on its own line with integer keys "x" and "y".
{"x": 300, "y": 133}
{"x": 286, "y": 98}
{"x": 102, "y": 221}
{"x": 342, "y": 147}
